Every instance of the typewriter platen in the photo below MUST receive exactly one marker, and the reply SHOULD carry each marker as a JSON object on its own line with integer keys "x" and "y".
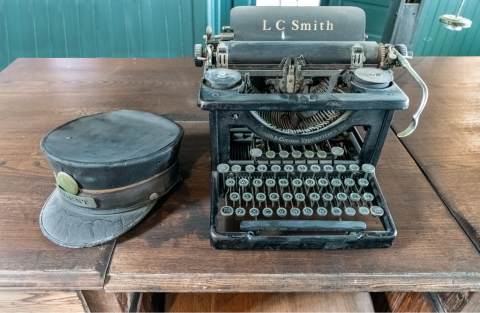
{"x": 300, "y": 105}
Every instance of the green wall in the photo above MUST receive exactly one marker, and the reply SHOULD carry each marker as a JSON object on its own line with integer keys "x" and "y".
{"x": 100, "y": 28}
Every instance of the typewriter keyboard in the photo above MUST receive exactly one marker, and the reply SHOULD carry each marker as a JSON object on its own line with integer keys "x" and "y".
{"x": 305, "y": 197}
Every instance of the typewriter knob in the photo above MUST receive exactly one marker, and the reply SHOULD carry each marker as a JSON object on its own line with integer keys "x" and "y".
{"x": 198, "y": 54}
{"x": 209, "y": 32}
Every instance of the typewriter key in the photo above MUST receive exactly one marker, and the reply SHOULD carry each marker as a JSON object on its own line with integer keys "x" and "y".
{"x": 302, "y": 169}
{"x": 340, "y": 197}
{"x": 314, "y": 197}
{"x": 262, "y": 169}
{"x": 226, "y": 211}
{"x": 274, "y": 197}
{"x": 261, "y": 197}
{"x": 322, "y": 182}
{"x": 354, "y": 169}
{"x": 287, "y": 197}
{"x": 307, "y": 211}
{"x": 270, "y": 154}
{"x": 327, "y": 197}
{"x": 328, "y": 169}
{"x": 363, "y": 210}
{"x": 295, "y": 211}
{"x": 309, "y": 183}
{"x": 234, "y": 196}
{"x": 341, "y": 169}
{"x": 322, "y": 211}
{"x": 296, "y": 154}
{"x": 297, "y": 183}
{"x": 350, "y": 211}
{"x": 236, "y": 169}
{"x": 257, "y": 182}
{"x": 230, "y": 182}
{"x": 275, "y": 169}
{"x": 282, "y": 212}
{"x": 247, "y": 197}
{"x": 240, "y": 212}
{"x": 300, "y": 197}
{"x": 355, "y": 197}
{"x": 255, "y": 153}
{"x": 315, "y": 170}
{"x": 243, "y": 182}
{"x": 337, "y": 152}
{"x": 283, "y": 183}
{"x": 321, "y": 154}
{"x": 283, "y": 155}
{"x": 250, "y": 169}
{"x": 377, "y": 211}
{"x": 368, "y": 169}
{"x": 336, "y": 211}
{"x": 336, "y": 182}
{"x": 368, "y": 197}
{"x": 267, "y": 212}
{"x": 270, "y": 183}
{"x": 309, "y": 154}
{"x": 362, "y": 183}
{"x": 222, "y": 169}
{"x": 254, "y": 212}
{"x": 349, "y": 182}
{"x": 289, "y": 169}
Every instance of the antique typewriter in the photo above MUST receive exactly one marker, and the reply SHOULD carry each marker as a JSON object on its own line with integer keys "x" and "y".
{"x": 300, "y": 105}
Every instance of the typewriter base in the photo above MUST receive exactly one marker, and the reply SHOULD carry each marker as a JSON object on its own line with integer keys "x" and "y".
{"x": 250, "y": 241}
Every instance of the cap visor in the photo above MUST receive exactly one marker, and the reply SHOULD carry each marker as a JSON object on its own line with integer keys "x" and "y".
{"x": 70, "y": 228}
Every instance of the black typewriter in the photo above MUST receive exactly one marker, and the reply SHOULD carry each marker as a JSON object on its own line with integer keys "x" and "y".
{"x": 300, "y": 105}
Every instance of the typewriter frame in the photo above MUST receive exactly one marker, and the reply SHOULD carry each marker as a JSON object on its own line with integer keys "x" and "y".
{"x": 229, "y": 108}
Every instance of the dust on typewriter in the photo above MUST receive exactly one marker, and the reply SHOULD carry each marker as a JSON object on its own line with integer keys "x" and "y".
{"x": 300, "y": 105}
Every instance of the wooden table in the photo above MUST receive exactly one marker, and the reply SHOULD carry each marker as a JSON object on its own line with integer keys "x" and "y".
{"x": 170, "y": 250}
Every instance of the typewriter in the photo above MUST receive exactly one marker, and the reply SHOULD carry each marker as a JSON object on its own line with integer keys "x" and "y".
{"x": 300, "y": 106}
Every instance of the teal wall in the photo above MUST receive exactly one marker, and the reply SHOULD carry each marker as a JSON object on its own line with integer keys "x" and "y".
{"x": 100, "y": 28}
{"x": 432, "y": 39}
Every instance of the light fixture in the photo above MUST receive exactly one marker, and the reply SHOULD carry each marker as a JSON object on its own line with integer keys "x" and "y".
{"x": 455, "y": 22}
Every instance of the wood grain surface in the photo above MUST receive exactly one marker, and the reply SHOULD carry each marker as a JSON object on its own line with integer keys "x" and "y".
{"x": 446, "y": 144}
{"x": 269, "y": 302}
{"x": 170, "y": 250}
{"x": 397, "y": 302}
{"x": 40, "y": 302}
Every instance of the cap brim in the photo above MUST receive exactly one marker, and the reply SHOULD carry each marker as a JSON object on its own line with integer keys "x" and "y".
{"x": 73, "y": 229}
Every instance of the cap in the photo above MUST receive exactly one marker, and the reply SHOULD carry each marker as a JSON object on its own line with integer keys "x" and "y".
{"x": 110, "y": 168}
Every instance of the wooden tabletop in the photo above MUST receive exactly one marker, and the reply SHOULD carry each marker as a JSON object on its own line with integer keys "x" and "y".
{"x": 446, "y": 144}
{"x": 170, "y": 249}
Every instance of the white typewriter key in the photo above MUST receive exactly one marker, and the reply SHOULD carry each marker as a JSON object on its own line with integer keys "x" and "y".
{"x": 336, "y": 211}
{"x": 296, "y": 154}
{"x": 274, "y": 197}
{"x": 250, "y": 170}
{"x": 307, "y": 211}
{"x": 282, "y": 212}
{"x": 270, "y": 183}
{"x": 243, "y": 182}
{"x": 340, "y": 196}
{"x": 362, "y": 182}
{"x": 315, "y": 170}
{"x": 275, "y": 169}
{"x": 262, "y": 169}
{"x": 300, "y": 197}
{"x": 368, "y": 197}
{"x": 261, "y": 197}
{"x": 350, "y": 211}
{"x": 327, "y": 197}
{"x": 255, "y": 153}
{"x": 341, "y": 169}
{"x": 321, "y": 154}
{"x": 302, "y": 169}
{"x": 226, "y": 211}
{"x": 363, "y": 210}
{"x": 314, "y": 197}
{"x": 337, "y": 152}
{"x": 247, "y": 197}
{"x": 240, "y": 212}
{"x": 322, "y": 211}
{"x": 283, "y": 155}
{"x": 234, "y": 196}
{"x": 287, "y": 197}
{"x": 222, "y": 169}
{"x": 322, "y": 182}
{"x": 309, "y": 154}
{"x": 297, "y": 183}
{"x": 354, "y": 168}
{"x": 376, "y": 211}
{"x": 230, "y": 182}
{"x": 295, "y": 212}
{"x": 257, "y": 182}
{"x": 270, "y": 154}
{"x": 336, "y": 182}
{"x": 283, "y": 183}
{"x": 355, "y": 197}
{"x": 368, "y": 169}
{"x": 289, "y": 169}
{"x": 267, "y": 212}
{"x": 328, "y": 169}
{"x": 349, "y": 182}
{"x": 254, "y": 212}
{"x": 236, "y": 169}
{"x": 309, "y": 183}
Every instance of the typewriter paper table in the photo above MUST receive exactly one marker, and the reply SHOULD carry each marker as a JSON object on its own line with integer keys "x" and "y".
{"x": 170, "y": 251}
